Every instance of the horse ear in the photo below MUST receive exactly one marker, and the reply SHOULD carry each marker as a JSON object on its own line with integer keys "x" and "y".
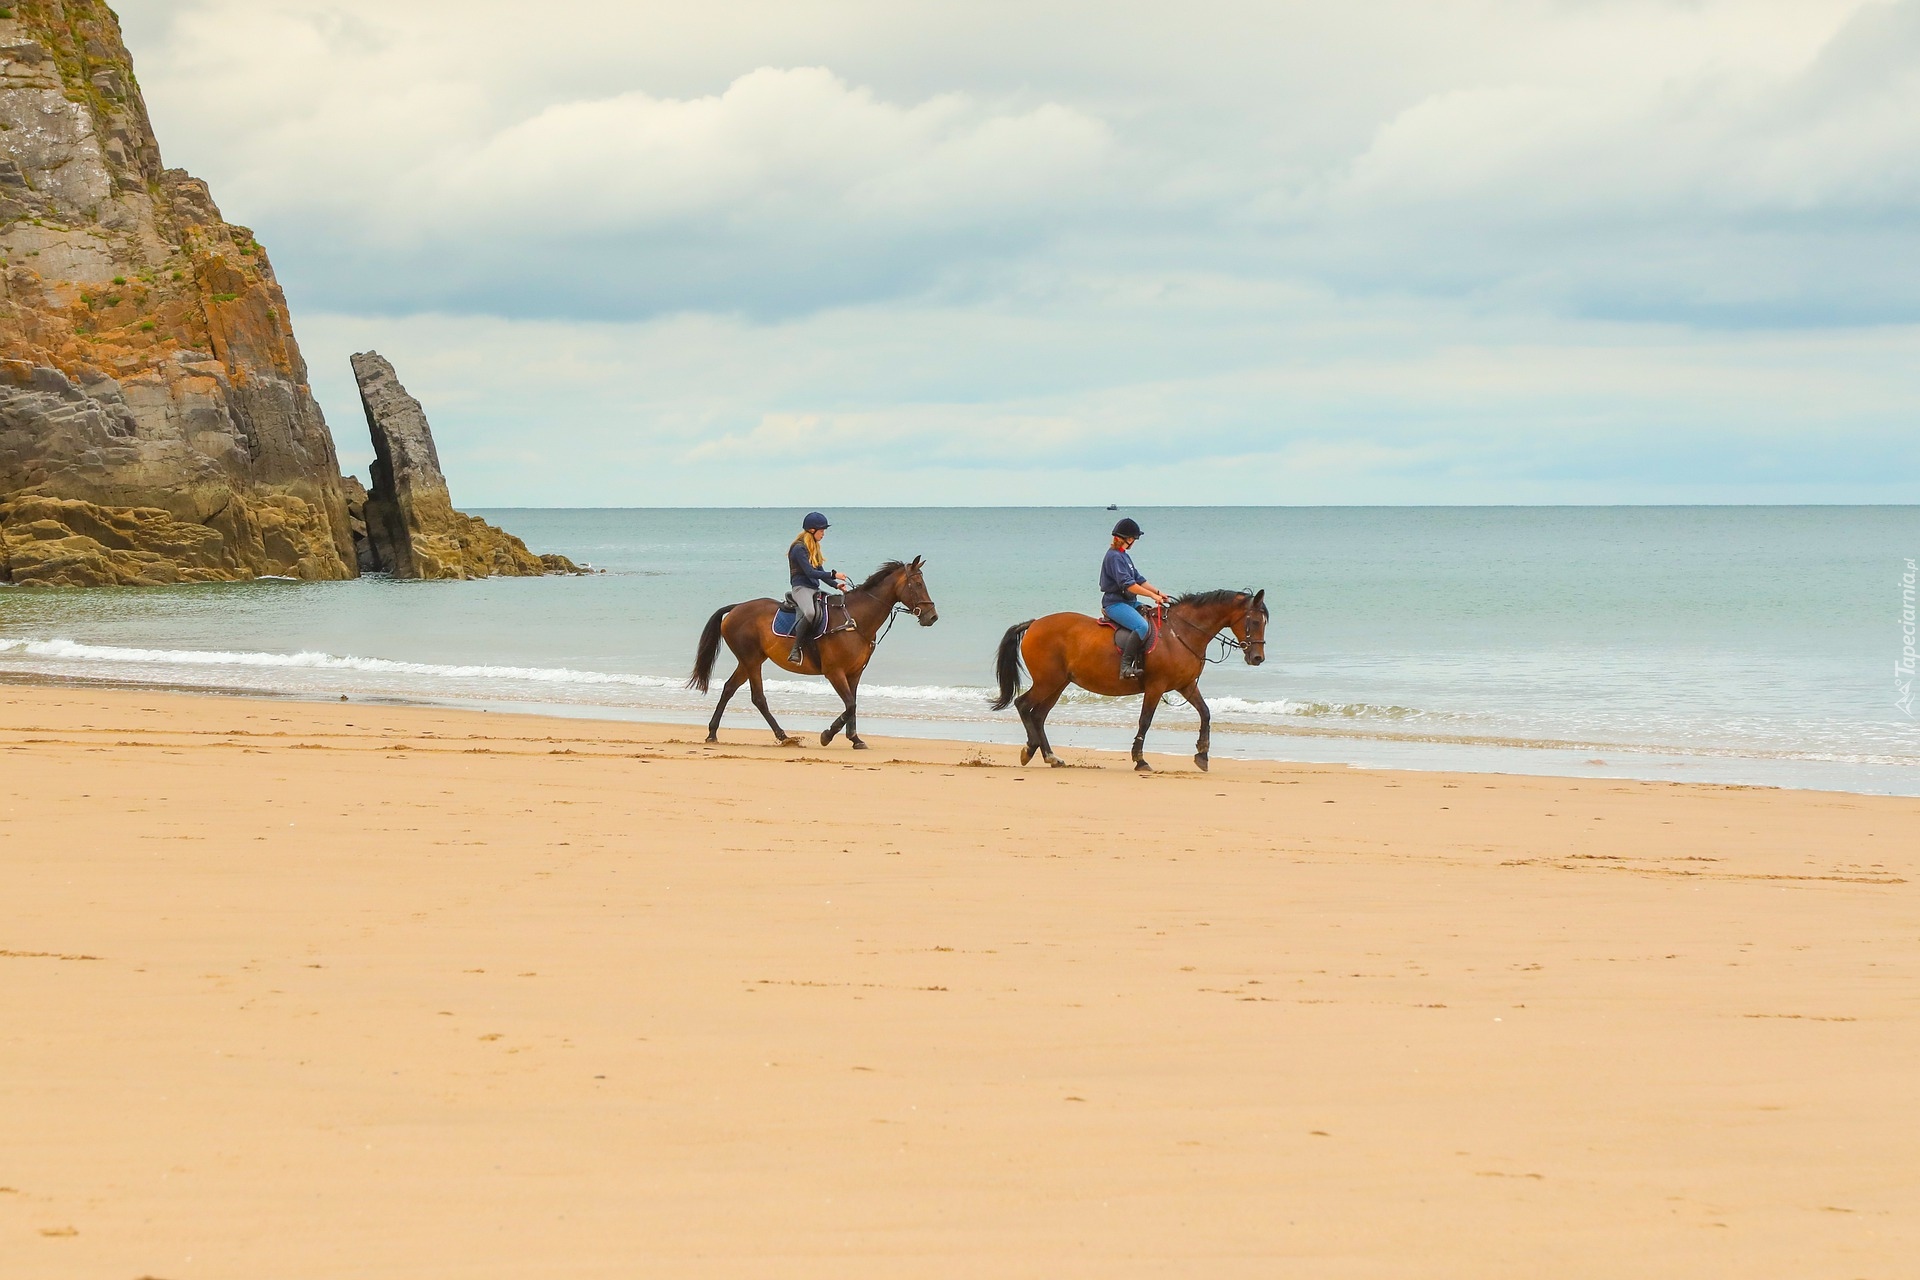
{"x": 1260, "y": 595}
{"x": 918, "y": 561}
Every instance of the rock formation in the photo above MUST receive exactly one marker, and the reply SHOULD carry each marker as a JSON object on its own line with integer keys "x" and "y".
{"x": 155, "y": 419}
{"x": 412, "y": 530}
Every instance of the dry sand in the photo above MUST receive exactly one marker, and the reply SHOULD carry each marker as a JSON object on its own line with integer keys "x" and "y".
{"x": 360, "y": 991}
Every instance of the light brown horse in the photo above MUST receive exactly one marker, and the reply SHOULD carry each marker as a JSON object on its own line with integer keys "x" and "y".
{"x": 841, "y": 655}
{"x": 1071, "y": 648}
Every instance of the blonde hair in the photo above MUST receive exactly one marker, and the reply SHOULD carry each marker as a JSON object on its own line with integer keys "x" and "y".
{"x": 815, "y": 556}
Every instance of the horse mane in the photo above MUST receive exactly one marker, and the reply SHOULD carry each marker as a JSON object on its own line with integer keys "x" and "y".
{"x": 1201, "y": 599}
{"x": 884, "y": 571}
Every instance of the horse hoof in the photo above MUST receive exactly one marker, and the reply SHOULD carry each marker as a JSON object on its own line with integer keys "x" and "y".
{"x": 826, "y": 738}
{"x": 713, "y": 737}
{"x": 1056, "y": 762}
{"x": 1026, "y": 754}
{"x": 1141, "y": 766}
{"x": 1201, "y": 760}
{"x": 857, "y": 744}
{"x": 791, "y": 742}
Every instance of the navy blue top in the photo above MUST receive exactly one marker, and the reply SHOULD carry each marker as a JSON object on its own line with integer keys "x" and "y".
{"x": 801, "y": 572}
{"x": 1116, "y": 575}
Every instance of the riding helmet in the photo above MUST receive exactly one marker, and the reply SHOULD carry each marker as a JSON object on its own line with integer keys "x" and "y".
{"x": 1127, "y": 528}
{"x": 815, "y": 520}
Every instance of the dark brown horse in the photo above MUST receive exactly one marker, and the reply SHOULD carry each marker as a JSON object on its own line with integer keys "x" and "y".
{"x": 1071, "y": 648}
{"x": 841, "y": 655}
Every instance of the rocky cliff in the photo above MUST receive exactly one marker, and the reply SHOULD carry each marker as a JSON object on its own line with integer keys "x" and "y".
{"x": 411, "y": 528}
{"x": 155, "y": 419}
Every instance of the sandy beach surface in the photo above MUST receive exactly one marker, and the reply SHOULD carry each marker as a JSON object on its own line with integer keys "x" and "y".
{"x": 293, "y": 990}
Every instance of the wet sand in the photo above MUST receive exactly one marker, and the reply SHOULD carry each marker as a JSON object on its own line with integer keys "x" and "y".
{"x": 325, "y": 990}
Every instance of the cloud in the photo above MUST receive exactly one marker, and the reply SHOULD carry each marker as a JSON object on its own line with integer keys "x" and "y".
{"x": 416, "y": 182}
{"x": 796, "y": 143}
{"x": 1272, "y": 249}
{"x": 1734, "y": 196}
{"x": 777, "y": 143}
{"x": 1722, "y": 162}
{"x": 862, "y": 401}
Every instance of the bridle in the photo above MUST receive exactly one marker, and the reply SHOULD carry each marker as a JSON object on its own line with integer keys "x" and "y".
{"x": 1224, "y": 636}
{"x": 915, "y": 606}
{"x": 901, "y": 607}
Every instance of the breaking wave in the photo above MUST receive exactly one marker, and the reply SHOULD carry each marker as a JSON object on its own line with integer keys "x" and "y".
{"x": 74, "y": 651}
{"x": 310, "y": 673}
{"x": 955, "y": 696}
{"x": 1313, "y": 710}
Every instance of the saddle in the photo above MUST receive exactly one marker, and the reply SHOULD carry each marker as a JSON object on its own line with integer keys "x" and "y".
{"x": 787, "y": 618}
{"x": 1120, "y": 633}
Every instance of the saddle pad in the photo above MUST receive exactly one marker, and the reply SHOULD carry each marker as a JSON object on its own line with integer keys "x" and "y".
{"x": 785, "y": 619}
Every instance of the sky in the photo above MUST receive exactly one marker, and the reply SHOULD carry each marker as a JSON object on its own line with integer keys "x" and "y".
{"x": 854, "y": 252}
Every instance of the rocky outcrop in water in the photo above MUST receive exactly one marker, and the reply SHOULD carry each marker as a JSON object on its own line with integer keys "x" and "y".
{"x": 155, "y": 419}
{"x": 412, "y": 529}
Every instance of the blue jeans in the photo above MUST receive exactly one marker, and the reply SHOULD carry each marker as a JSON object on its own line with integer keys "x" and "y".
{"x": 1125, "y": 615}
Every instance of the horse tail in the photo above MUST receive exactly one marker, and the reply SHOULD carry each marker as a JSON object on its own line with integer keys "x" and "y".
{"x": 1008, "y": 666}
{"x": 709, "y": 649}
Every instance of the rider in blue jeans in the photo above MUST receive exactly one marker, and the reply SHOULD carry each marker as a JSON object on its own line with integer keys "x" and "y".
{"x": 1120, "y": 582}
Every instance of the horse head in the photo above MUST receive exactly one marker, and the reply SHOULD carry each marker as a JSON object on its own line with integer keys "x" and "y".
{"x": 1250, "y": 628}
{"x": 912, "y": 592}
{"x": 896, "y": 584}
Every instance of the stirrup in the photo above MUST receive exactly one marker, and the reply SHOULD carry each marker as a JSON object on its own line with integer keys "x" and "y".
{"x": 799, "y": 653}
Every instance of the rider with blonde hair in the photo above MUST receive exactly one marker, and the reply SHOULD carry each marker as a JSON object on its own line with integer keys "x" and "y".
{"x": 1120, "y": 582}
{"x": 807, "y": 572}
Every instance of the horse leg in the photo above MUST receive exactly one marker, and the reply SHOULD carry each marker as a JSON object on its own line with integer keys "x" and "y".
{"x": 1037, "y": 712}
{"x": 734, "y": 681}
{"x": 760, "y": 701}
{"x": 853, "y": 711}
{"x": 848, "y": 687}
{"x": 1148, "y": 706}
{"x": 832, "y": 730}
{"x": 1192, "y": 694}
{"x": 1023, "y": 704}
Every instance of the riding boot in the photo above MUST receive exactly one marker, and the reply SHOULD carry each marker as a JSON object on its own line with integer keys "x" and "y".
{"x": 1130, "y": 657}
{"x": 799, "y": 651}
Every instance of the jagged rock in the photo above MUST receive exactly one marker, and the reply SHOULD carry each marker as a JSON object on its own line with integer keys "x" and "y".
{"x": 412, "y": 529}
{"x": 363, "y": 553}
{"x": 149, "y": 360}
{"x": 55, "y": 542}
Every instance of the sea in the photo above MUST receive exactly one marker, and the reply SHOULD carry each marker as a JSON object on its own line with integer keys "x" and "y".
{"x": 1745, "y": 646}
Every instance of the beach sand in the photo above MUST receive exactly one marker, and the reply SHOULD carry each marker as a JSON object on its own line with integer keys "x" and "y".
{"x": 295, "y": 990}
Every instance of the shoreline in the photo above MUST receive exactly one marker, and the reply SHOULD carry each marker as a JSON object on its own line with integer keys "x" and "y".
{"x": 315, "y": 989}
{"x": 1379, "y": 750}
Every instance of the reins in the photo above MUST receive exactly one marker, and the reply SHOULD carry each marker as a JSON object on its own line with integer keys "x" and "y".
{"x": 893, "y": 616}
{"x": 1223, "y": 635}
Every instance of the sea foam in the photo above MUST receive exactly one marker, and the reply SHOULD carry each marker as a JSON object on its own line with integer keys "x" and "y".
{"x": 75, "y": 651}
{"x": 929, "y": 696}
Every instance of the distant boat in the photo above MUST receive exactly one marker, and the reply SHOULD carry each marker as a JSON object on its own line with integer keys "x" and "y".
{"x": 1112, "y": 507}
